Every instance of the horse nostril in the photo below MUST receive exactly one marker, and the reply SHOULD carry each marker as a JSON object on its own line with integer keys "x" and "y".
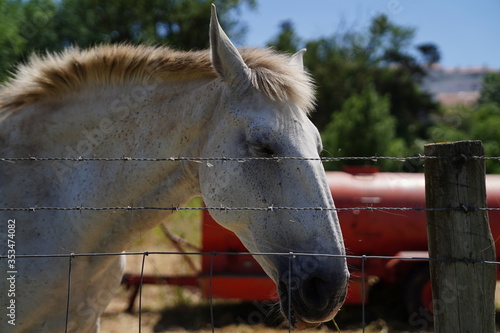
{"x": 314, "y": 293}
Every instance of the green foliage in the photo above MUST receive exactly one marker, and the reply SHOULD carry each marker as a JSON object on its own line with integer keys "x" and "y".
{"x": 25, "y": 27}
{"x": 480, "y": 122}
{"x": 50, "y": 25}
{"x": 491, "y": 89}
{"x": 430, "y": 53}
{"x": 11, "y": 42}
{"x": 388, "y": 42}
{"x": 183, "y": 24}
{"x": 287, "y": 40}
{"x": 476, "y": 122}
{"x": 363, "y": 127}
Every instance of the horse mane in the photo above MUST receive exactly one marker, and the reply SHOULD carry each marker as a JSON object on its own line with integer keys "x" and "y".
{"x": 54, "y": 75}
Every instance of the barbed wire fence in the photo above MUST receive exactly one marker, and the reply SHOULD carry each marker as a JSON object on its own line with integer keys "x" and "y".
{"x": 291, "y": 255}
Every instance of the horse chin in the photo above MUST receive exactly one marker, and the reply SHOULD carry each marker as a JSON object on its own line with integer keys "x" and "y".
{"x": 302, "y": 324}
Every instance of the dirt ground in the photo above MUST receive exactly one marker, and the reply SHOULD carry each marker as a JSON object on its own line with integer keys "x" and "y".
{"x": 176, "y": 309}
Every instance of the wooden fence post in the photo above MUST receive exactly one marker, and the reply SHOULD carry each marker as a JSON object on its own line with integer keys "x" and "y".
{"x": 463, "y": 292}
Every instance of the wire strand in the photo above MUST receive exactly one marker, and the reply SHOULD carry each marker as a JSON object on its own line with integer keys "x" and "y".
{"x": 240, "y": 159}
{"x": 271, "y": 208}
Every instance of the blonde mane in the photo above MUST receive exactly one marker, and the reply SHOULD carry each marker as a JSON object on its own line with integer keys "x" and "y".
{"x": 54, "y": 75}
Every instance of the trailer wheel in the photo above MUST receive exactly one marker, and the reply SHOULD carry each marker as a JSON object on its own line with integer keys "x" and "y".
{"x": 418, "y": 293}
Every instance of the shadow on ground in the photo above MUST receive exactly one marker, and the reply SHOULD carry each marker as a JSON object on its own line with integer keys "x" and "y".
{"x": 199, "y": 316}
{"x": 384, "y": 313}
{"x": 193, "y": 317}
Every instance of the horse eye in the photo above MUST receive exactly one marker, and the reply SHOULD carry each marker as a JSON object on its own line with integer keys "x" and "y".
{"x": 261, "y": 149}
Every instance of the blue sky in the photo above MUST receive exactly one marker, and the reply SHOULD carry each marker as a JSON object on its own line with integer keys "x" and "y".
{"x": 466, "y": 32}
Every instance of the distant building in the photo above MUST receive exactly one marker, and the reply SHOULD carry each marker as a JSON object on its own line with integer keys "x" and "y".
{"x": 451, "y": 86}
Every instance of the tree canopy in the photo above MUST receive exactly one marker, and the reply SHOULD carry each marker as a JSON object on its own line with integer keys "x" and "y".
{"x": 475, "y": 122}
{"x": 363, "y": 127}
{"x": 28, "y": 26}
{"x": 491, "y": 89}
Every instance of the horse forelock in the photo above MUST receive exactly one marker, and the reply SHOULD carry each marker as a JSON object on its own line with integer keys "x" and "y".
{"x": 55, "y": 75}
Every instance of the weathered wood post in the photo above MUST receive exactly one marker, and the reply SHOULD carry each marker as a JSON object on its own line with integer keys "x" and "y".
{"x": 463, "y": 291}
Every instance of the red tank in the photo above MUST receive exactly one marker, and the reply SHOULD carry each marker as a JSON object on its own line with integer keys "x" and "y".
{"x": 387, "y": 232}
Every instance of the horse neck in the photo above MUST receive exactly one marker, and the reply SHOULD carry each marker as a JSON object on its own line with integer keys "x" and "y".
{"x": 160, "y": 120}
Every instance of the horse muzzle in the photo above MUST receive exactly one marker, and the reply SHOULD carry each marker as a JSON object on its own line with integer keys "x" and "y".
{"x": 309, "y": 298}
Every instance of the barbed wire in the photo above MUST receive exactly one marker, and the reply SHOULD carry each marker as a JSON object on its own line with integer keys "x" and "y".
{"x": 465, "y": 208}
{"x": 240, "y": 159}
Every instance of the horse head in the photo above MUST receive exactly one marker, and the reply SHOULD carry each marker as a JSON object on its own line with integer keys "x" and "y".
{"x": 262, "y": 119}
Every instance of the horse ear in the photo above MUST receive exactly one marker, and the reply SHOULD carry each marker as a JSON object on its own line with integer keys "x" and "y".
{"x": 298, "y": 59}
{"x": 226, "y": 59}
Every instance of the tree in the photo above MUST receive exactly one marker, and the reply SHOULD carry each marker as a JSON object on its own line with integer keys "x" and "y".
{"x": 476, "y": 122}
{"x": 182, "y": 24}
{"x": 491, "y": 89}
{"x": 287, "y": 39}
{"x": 347, "y": 63}
{"x": 363, "y": 127}
{"x": 481, "y": 122}
{"x": 11, "y": 42}
{"x": 50, "y": 25}
{"x": 430, "y": 53}
{"x": 388, "y": 42}
{"x": 30, "y": 27}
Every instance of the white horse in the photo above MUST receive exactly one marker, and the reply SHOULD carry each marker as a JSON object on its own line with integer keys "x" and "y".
{"x": 115, "y": 101}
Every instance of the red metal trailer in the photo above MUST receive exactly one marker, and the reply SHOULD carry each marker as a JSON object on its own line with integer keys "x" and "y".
{"x": 396, "y": 233}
